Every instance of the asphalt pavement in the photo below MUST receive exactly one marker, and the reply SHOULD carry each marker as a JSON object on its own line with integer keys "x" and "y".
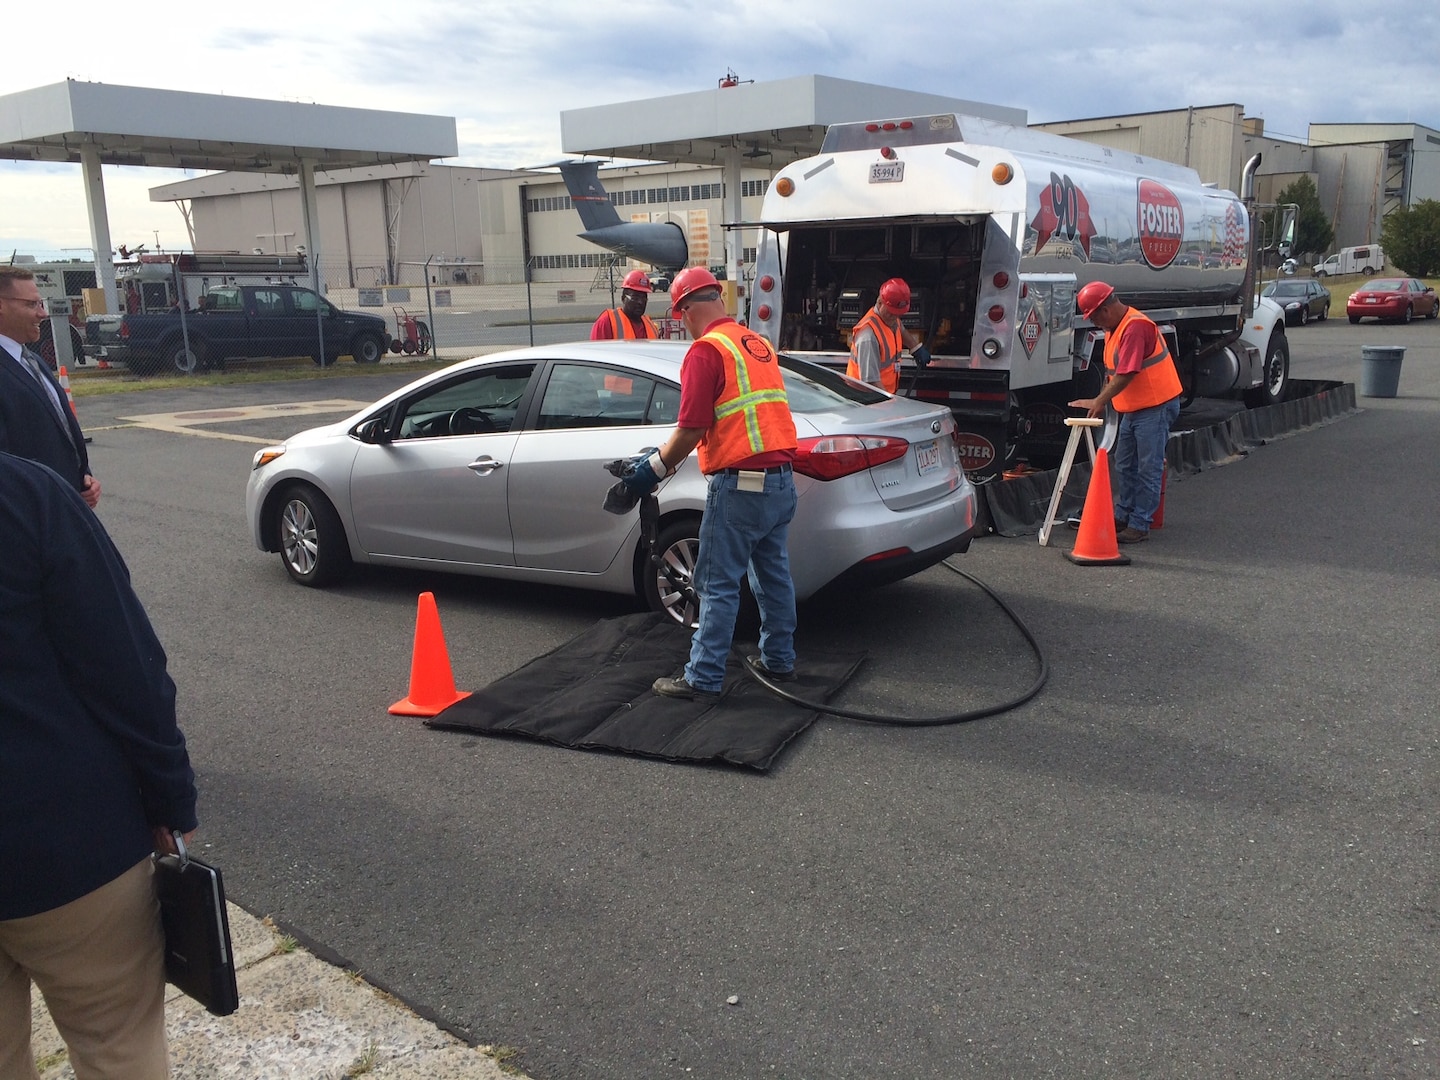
{"x": 1207, "y": 848}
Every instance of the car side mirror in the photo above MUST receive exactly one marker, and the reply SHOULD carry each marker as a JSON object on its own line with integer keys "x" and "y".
{"x": 372, "y": 431}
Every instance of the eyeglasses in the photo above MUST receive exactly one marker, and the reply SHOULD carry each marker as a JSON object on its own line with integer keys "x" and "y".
{"x": 36, "y": 305}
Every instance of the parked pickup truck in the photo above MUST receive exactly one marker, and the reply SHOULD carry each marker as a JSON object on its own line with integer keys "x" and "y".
{"x": 237, "y": 321}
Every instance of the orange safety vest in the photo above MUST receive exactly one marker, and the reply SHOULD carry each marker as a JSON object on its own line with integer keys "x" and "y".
{"x": 1155, "y": 383}
{"x": 890, "y": 343}
{"x": 752, "y": 413}
{"x": 621, "y": 326}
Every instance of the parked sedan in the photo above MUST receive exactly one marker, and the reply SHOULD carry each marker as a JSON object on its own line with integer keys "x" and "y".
{"x": 1303, "y": 299}
{"x": 494, "y": 467}
{"x": 1393, "y": 298}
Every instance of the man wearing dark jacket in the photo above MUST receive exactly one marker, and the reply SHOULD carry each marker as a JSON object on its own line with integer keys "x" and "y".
{"x": 93, "y": 777}
{"x": 35, "y": 420}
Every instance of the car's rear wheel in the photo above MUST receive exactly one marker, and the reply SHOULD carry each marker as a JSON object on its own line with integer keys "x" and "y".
{"x": 1354, "y": 319}
{"x": 674, "y": 592}
{"x": 312, "y": 540}
{"x": 1409, "y": 313}
{"x": 1325, "y": 311}
{"x": 189, "y": 360}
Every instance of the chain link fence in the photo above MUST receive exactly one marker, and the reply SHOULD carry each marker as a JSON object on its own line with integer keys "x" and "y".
{"x": 457, "y": 308}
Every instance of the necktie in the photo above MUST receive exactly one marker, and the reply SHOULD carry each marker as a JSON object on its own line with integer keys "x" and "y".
{"x": 35, "y": 364}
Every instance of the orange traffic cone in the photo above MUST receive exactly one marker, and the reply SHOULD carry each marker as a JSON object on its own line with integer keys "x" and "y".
{"x": 65, "y": 385}
{"x": 1095, "y": 543}
{"x": 432, "y": 686}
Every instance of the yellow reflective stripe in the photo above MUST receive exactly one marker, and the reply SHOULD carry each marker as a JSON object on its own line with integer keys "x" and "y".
{"x": 747, "y": 401}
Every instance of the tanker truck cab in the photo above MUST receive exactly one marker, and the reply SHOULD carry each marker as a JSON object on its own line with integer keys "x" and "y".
{"x": 995, "y": 228}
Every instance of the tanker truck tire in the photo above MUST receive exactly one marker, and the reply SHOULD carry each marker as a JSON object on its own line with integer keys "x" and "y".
{"x": 1276, "y": 380}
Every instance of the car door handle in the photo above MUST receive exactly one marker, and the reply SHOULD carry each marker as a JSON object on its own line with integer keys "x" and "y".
{"x": 485, "y": 464}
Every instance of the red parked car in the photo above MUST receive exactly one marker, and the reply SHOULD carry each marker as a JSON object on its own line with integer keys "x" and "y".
{"x": 1393, "y": 298}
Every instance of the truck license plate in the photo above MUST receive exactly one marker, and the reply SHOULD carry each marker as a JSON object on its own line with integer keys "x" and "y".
{"x": 887, "y": 172}
{"x": 927, "y": 456}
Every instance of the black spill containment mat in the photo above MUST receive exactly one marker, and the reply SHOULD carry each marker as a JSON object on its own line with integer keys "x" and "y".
{"x": 593, "y": 693}
{"x": 1207, "y": 434}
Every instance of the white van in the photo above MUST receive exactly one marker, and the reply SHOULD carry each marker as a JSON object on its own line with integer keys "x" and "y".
{"x": 1366, "y": 260}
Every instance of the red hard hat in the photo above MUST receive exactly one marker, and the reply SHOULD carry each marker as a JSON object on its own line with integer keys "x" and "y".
{"x": 636, "y": 281}
{"x": 896, "y": 295}
{"x": 691, "y": 279}
{"x": 1092, "y": 295}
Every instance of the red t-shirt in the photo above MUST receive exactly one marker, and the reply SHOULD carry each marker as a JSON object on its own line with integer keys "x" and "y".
{"x": 1137, "y": 343}
{"x": 702, "y": 381}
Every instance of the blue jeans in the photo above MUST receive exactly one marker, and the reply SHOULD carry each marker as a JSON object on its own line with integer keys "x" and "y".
{"x": 743, "y": 530}
{"x": 1140, "y": 462}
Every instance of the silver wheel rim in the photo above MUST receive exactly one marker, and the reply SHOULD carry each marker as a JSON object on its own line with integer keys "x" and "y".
{"x": 680, "y": 558}
{"x": 298, "y": 537}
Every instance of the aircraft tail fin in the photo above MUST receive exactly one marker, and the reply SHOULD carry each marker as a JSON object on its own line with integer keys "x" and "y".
{"x": 582, "y": 179}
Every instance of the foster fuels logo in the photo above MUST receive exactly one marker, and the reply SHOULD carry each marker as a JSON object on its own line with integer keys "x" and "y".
{"x": 1160, "y": 224}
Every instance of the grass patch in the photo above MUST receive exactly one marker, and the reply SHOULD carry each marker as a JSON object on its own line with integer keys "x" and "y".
{"x": 87, "y": 382}
{"x": 506, "y": 1057}
{"x": 365, "y": 1063}
{"x": 49, "y": 1061}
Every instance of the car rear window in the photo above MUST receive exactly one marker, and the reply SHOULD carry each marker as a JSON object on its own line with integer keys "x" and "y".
{"x": 1382, "y": 284}
{"x": 812, "y": 388}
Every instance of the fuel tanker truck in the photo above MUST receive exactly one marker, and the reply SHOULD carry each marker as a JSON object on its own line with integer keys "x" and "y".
{"x": 995, "y": 228}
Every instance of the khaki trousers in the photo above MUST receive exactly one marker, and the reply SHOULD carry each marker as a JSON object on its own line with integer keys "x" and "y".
{"x": 99, "y": 962}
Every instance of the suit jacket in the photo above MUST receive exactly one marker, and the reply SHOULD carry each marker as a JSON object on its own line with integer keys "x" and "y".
{"x": 91, "y": 757}
{"x": 30, "y": 428}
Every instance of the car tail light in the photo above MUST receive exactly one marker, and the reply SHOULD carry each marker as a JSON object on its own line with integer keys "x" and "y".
{"x": 830, "y": 457}
{"x": 124, "y": 329}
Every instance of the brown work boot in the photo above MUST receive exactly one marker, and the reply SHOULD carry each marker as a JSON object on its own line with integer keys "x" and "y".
{"x": 1128, "y": 535}
{"x": 1121, "y": 525}
{"x": 679, "y": 688}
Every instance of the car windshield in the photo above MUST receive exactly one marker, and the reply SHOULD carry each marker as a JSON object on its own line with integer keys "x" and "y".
{"x": 812, "y": 388}
{"x": 1384, "y": 285}
{"x": 1286, "y": 288}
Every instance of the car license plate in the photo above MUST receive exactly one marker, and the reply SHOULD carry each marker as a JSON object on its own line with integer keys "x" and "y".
{"x": 927, "y": 456}
{"x": 1372, "y": 299}
{"x": 887, "y": 172}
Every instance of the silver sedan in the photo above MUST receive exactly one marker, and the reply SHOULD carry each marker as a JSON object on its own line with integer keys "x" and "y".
{"x": 494, "y": 467}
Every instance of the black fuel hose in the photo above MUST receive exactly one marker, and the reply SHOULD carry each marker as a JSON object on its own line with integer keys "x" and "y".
{"x": 927, "y": 721}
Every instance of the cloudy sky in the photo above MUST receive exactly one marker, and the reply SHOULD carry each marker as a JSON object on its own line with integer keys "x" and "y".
{"x": 506, "y": 70}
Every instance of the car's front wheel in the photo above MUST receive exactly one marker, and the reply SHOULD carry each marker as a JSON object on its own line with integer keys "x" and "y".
{"x": 312, "y": 540}
{"x": 1276, "y": 376}
{"x": 367, "y": 348}
{"x": 670, "y": 587}
{"x": 1304, "y": 314}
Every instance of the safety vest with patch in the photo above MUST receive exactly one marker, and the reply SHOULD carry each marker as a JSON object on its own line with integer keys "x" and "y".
{"x": 752, "y": 413}
{"x": 622, "y": 327}
{"x": 890, "y": 343}
{"x": 1155, "y": 383}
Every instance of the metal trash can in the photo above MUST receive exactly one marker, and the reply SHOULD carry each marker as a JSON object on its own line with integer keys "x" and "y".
{"x": 1380, "y": 370}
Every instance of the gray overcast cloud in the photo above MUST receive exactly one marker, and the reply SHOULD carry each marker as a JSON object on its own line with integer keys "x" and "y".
{"x": 506, "y": 71}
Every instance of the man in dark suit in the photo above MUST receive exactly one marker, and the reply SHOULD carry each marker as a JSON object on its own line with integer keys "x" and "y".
{"x": 35, "y": 420}
{"x": 94, "y": 775}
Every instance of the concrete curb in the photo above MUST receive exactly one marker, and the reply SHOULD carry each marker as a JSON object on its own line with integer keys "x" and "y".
{"x": 298, "y": 1017}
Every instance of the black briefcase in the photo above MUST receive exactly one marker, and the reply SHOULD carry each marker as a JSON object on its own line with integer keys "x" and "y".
{"x": 198, "y": 958}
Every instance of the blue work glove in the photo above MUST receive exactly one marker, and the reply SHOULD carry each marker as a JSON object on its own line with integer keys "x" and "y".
{"x": 920, "y": 355}
{"x": 642, "y": 472}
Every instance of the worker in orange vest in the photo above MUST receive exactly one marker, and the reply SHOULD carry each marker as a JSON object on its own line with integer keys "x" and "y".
{"x": 629, "y": 320}
{"x": 878, "y": 337}
{"x": 733, "y": 407}
{"x": 1143, "y": 385}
